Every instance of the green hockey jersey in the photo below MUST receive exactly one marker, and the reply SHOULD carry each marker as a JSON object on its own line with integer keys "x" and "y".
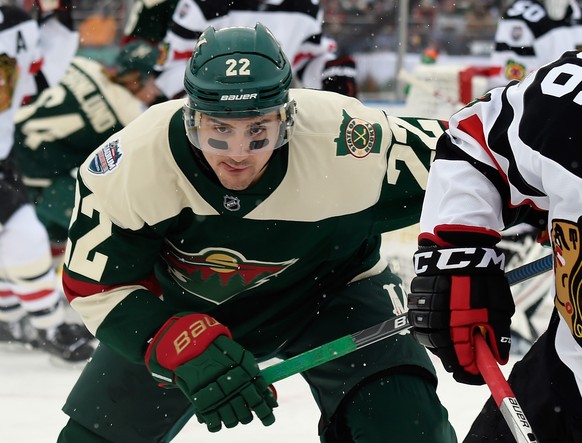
{"x": 154, "y": 233}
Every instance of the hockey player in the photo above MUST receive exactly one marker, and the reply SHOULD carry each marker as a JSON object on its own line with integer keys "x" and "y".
{"x": 56, "y": 132}
{"x": 513, "y": 154}
{"x": 297, "y": 25}
{"x": 32, "y": 56}
{"x": 148, "y": 20}
{"x": 241, "y": 224}
{"x": 532, "y": 33}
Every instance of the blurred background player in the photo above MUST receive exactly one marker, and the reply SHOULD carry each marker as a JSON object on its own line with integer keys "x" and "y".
{"x": 56, "y": 132}
{"x": 148, "y": 20}
{"x": 33, "y": 55}
{"x": 297, "y": 25}
{"x": 532, "y": 33}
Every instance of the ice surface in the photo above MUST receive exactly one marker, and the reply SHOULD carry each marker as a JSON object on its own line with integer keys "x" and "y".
{"x": 32, "y": 391}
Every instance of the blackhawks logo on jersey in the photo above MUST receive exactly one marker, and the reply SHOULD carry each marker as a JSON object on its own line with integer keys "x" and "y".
{"x": 8, "y": 77}
{"x": 358, "y": 137}
{"x": 218, "y": 274}
{"x": 514, "y": 70}
{"x": 568, "y": 269}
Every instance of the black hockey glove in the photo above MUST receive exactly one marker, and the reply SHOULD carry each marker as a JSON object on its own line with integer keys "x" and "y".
{"x": 339, "y": 75}
{"x": 457, "y": 293}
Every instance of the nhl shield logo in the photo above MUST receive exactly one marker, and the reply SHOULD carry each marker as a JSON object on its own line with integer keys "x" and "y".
{"x": 231, "y": 203}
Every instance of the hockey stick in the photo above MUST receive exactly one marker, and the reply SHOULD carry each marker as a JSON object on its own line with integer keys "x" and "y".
{"x": 502, "y": 393}
{"x": 349, "y": 343}
{"x": 335, "y": 349}
{"x": 536, "y": 267}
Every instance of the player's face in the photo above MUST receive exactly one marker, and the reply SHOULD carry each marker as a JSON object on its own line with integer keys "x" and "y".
{"x": 234, "y": 147}
{"x": 238, "y": 137}
{"x": 130, "y": 81}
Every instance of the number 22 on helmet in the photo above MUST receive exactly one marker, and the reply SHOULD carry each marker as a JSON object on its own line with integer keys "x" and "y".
{"x": 237, "y": 82}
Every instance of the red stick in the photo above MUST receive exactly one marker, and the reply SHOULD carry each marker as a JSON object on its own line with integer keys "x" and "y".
{"x": 502, "y": 393}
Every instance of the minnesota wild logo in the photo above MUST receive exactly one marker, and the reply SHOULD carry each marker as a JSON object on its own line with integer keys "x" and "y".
{"x": 358, "y": 137}
{"x": 218, "y": 274}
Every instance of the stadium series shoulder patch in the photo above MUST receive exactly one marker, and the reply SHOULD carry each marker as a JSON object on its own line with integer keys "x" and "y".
{"x": 106, "y": 158}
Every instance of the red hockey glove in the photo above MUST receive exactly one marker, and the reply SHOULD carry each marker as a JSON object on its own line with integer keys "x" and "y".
{"x": 339, "y": 75}
{"x": 456, "y": 292}
{"x": 219, "y": 376}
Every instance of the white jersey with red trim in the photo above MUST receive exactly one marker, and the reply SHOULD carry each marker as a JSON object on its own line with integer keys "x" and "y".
{"x": 516, "y": 149}
{"x": 527, "y": 38}
{"x": 297, "y": 25}
{"x": 29, "y": 55}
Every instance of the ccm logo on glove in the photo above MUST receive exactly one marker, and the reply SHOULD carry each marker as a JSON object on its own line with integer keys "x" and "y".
{"x": 455, "y": 259}
{"x": 457, "y": 293}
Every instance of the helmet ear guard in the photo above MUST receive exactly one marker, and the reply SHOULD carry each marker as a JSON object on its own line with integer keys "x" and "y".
{"x": 242, "y": 73}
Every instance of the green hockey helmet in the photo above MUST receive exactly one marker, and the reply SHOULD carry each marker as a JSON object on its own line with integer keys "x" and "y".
{"x": 137, "y": 56}
{"x": 238, "y": 73}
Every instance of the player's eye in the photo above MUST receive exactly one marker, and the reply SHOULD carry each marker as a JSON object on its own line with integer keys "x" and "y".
{"x": 221, "y": 129}
{"x": 256, "y": 130}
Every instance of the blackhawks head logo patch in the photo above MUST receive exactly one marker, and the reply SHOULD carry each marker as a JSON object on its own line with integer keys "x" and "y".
{"x": 8, "y": 78}
{"x": 566, "y": 237}
{"x": 106, "y": 158}
{"x": 358, "y": 137}
{"x": 514, "y": 70}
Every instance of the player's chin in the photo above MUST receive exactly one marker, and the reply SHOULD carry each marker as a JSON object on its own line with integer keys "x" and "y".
{"x": 235, "y": 182}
